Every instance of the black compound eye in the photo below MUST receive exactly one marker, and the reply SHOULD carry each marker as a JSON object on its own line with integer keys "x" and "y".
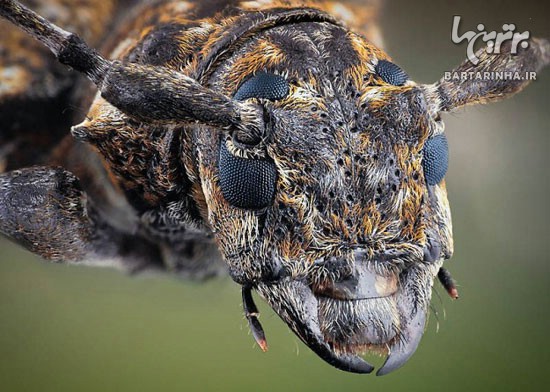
{"x": 246, "y": 183}
{"x": 263, "y": 85}
{"x": 391, "y": 73}
{"x": 436, "y": 159}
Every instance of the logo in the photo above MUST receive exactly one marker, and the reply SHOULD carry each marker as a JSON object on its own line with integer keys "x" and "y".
{"x": 493, "y": 39}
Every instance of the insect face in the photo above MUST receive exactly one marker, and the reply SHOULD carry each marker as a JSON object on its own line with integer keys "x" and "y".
{"x": 313, "y": 160}
{"x": 341, "y": 203}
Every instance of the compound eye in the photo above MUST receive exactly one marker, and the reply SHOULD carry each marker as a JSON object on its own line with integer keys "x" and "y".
{"x": 436, "y": 159}
{"x": 263, "y": 85}
{"x": 246, "y": 183}
{"x": 391, "y": 73}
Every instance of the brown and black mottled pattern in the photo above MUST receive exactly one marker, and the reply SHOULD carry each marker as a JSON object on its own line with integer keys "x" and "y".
{"x": 36, "y": 96}
{"x": 347, "y": 250}
{"x": 48, "y": 202}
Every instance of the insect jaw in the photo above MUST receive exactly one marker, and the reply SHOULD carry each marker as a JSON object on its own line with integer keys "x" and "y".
{"x": 295, "y": 303}
{"x": 332, "y": 321}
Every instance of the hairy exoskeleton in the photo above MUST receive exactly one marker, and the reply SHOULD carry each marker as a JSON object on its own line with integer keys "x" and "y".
{"x": 282, "y": 140}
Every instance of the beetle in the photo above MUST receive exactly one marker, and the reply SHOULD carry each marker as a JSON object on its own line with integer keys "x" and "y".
{"x": 262, "y": 138}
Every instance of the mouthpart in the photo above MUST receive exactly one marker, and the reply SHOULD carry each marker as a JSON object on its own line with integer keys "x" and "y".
{"x": 369, "y": 311}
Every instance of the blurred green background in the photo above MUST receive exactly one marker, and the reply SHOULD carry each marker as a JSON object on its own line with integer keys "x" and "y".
{"x": 68, "y": 328}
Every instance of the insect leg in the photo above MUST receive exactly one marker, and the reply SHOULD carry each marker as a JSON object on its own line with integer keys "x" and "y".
{"x": 45, "y": 210}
